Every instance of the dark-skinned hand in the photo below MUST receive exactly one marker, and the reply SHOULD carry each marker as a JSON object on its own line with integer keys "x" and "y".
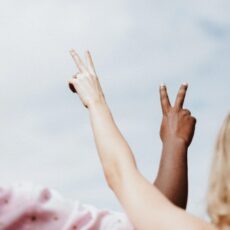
{"x": 177, "y": 124}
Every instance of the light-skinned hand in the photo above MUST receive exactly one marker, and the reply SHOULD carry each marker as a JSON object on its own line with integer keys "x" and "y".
{"x": 85, "y": 83}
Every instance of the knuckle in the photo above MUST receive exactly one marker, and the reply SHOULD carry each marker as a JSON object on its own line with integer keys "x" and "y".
{"x": 164, "y": 97}
{"x": 194, "y": 119}
{"x": 78, "y": 80}
{"x": 188, "y": 111}
{"x": 170, "y": 112}
{"x": 181, "y": 95}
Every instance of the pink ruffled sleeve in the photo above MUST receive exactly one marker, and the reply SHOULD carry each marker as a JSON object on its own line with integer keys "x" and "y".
{"x": 25, "y": 206}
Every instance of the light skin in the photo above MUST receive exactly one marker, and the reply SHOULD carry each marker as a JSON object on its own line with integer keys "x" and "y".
{"x": 173, "y": 167}
{"x": 145, "y": 205}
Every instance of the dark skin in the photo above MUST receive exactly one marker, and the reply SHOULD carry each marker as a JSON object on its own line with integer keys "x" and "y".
{"x": 177, "y": 130}
{"x": 176, "y": 133}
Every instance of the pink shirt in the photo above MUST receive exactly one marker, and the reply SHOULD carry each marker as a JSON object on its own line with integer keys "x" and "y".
{"x": 25, "y": 206}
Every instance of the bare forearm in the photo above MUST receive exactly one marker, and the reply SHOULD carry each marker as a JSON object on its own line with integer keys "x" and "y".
{"x": 134, "y": 192}
{"x": 172, "y": 178}
{"x": 114, "y": 152}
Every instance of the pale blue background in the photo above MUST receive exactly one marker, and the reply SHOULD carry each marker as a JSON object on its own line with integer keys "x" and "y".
{"x": 45, "y": 134}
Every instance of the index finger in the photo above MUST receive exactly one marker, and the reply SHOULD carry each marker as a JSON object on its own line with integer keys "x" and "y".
{"x": 80, "y": 65}
{"x": 181, "y": 96}
{"x": 165, "y": 103}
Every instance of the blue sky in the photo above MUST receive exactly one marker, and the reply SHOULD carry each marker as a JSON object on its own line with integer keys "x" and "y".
{"x": 45, "y": 132}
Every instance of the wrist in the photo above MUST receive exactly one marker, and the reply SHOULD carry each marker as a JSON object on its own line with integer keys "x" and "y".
{"x": 175, "y": 141}
{"x": 99, "y": 109}
{"x": 94, "y": 104}
{"x": 175, "y": 145}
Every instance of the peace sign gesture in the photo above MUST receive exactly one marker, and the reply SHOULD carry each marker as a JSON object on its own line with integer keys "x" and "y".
{"x": 177, "y": 122}
{"x": 85, "y": 83}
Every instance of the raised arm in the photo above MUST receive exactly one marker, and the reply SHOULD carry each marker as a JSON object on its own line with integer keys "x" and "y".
{"x": 109, "y": 141}
{"x": 176, "y": 135}
{"x": 146, "y": 207}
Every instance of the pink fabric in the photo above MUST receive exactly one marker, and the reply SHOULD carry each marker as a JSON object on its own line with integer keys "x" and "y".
{"x": 26, "y": 206}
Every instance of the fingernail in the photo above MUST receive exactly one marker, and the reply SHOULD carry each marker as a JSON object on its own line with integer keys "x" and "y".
{"x": 162, "y": 85}
{"x": 185, "y": 84}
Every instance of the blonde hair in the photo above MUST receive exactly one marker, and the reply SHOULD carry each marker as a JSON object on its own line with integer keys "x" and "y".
{"x": 219, "y": 185}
